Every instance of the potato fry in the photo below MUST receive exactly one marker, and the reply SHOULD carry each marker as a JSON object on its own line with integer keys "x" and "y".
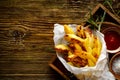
{"x": 73, "y": 38}
{"x": 83, "y": 49}
{"x": 70, "y": 63}
{"x": 97, "y": 45}
{"x": 78, "y": 47}
{"x": 80, "y": 31}
{"x": 70, "y": 53}
{"x": 90, "y": 56}
{"x": 68, "y": 30}
{"x": 78, "y": 62}
{"x": 79, "y": 52}
{"x": 90, "y": 37}
{"x": 90, "y": 63}
{"x": 62, "y": 48}
{"x": 94, "y": 53}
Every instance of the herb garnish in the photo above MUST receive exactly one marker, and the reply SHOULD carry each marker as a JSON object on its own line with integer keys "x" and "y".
{"x": 94, "y": 23}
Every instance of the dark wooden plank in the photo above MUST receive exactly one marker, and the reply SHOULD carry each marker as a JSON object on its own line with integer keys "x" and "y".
{"x": 32, "y": 77}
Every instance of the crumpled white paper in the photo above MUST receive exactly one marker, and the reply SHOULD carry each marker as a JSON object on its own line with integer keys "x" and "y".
{"x": 98, "y": 72}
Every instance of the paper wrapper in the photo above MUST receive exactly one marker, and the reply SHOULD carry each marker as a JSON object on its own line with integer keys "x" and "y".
{"x": 99, "y": 72}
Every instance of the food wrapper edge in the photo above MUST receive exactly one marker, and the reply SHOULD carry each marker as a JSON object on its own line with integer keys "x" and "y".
{"x": 99, "y": 72}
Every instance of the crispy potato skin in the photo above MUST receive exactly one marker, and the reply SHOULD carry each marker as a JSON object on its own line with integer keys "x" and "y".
{"x": 83, "y": 49}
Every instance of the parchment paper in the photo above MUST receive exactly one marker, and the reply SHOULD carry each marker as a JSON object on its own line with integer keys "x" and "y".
{"x": 99, "y": 72}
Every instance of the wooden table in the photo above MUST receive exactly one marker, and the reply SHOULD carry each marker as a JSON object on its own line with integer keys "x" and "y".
{"x": 26, "y": 35}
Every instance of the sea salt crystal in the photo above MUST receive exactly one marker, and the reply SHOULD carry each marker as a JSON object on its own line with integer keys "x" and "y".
{"x": 116, "y": 65}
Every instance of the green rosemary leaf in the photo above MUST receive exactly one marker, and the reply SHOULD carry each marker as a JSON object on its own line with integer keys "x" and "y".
{"x": 102, "y": 20}
{"x": 92, "y": 22}
{"x": 97, "y": 20}
{"x": 108, "y": 1}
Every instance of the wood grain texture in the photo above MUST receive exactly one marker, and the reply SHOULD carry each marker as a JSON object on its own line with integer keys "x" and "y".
{"x": 26, "y": 35}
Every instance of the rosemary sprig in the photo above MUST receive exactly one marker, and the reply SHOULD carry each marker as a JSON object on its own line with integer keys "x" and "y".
{"x": 94, "y": 22}
{"x": 110, "y": 3}
{"x": 91, "y": 21}
{"x": 102, "y": 20}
